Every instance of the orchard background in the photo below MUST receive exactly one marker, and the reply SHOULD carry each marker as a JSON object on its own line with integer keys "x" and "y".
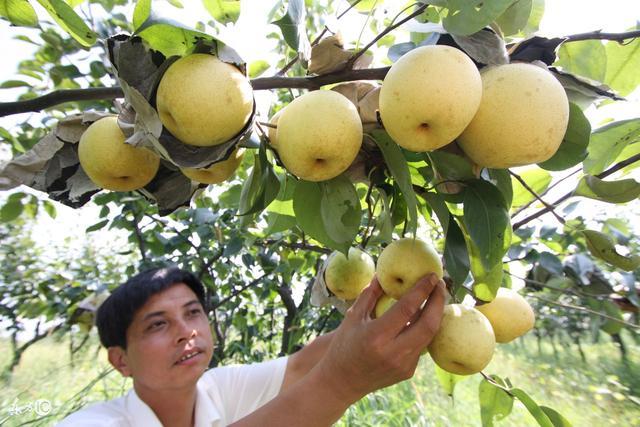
{"x": 258, "y": 240}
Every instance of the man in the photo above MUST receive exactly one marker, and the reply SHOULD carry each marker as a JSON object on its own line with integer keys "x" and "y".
{"x": 156, "y": 331}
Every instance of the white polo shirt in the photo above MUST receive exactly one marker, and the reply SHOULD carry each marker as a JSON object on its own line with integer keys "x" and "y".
{"x": 224, "y": 395}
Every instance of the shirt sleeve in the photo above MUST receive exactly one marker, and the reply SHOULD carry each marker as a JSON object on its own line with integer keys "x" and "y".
{"x": 245, "y": 388}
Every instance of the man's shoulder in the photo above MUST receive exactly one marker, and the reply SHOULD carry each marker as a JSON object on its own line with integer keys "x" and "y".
{"x": 104, "y": 414}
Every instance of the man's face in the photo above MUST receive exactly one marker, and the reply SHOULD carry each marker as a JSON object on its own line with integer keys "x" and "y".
{"x": 169, "y": 343}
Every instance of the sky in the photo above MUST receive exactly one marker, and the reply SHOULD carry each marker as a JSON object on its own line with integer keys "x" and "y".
{"x": 248, "y": 38}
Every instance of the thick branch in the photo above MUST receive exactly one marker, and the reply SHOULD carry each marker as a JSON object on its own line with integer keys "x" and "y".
{"x": 610, "y": 171}
{"x": 62, "y": 96}
{"x": 59, "y": 97}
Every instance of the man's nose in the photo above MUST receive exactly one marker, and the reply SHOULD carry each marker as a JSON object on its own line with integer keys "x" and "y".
{"x": 185, "y": 331}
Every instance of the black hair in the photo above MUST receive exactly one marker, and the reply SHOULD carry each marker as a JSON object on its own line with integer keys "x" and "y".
{"x": 116, "y": 313}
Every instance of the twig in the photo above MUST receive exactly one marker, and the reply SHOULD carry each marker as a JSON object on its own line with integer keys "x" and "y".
{"x": 386, "y": 31}
{"x": 315, "y": 41}
{"x": 302, "y": 245}
{"x": 489, "y": 379}
{"x": 239, "y": 291}
{"x": 525, "y": 206}
{"x": 585, "y": 310}
{"x": 534, "y": 194}
{"x": 604, "y": 174}
{"x": 598, "y": 35}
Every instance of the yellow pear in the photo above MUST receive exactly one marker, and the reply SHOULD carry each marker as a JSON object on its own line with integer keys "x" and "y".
{"x": 465, "y": 341}
{"x": 217, "y": 172}
{"x": 272, "y": 133}
{"x": 429, "y": 96}
{"x": 204, "y": 101}
{"x": 110, "y": 162}
{"x": 403, "y": 263}
{"x": 319, "y": 135}
{"x": 385, "y": 302}
{"x": 345, "y": 276}
{"x": 522, "y": 118}
{"x": 510, "y": 315}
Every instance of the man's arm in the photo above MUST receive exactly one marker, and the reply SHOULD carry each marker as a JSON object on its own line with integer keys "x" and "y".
{"x": 302, "y": 362}
{"x": 361, "y": 356}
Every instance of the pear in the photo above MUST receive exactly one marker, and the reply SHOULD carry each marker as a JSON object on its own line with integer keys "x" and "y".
{"x": 510, "y": 315}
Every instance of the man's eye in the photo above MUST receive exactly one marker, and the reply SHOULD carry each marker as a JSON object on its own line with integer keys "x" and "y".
{"x": 155, "y": 325}
{"x": 195, "y": 311}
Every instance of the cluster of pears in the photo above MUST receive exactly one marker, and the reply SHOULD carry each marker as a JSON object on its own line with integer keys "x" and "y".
{"x": 201, "y": 100}
{"x": 505, "y": 116}
{"x": 467, "y": 337}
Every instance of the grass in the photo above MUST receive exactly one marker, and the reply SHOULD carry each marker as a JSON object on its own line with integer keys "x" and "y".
{"x": 601, "y": 392}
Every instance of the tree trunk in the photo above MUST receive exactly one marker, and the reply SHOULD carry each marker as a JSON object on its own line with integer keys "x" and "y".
{"x": 285, "y": 294}
{"x": 623, "y": 349}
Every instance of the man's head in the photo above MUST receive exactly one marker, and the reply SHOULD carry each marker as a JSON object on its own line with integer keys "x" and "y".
{"x": 116, "y": 313}
{"x": 156, "y": 330}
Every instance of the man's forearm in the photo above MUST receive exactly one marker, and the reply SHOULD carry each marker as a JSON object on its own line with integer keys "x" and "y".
{"x": 302, "y": 362}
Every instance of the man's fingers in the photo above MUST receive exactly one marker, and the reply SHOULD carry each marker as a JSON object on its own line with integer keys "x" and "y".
{"x": 407, "y": 307}
{"x": 367, "y": 300}
{"x": 420, "y": 333}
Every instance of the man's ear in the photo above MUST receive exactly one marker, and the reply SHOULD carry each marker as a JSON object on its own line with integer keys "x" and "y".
{"x": 118, "y": 359}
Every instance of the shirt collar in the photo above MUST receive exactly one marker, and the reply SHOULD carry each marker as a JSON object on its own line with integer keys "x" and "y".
{"x": 143, "y": 415}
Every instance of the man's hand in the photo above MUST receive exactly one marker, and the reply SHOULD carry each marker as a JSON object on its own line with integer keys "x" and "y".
{"x": 367, "y": 354}
{"x": 364, "y": 355}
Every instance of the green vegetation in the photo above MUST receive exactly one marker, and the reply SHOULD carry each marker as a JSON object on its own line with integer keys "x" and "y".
{"x": 601, "y": 392}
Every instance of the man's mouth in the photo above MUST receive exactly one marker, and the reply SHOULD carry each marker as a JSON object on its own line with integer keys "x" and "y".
{"x": 188, "y": 356}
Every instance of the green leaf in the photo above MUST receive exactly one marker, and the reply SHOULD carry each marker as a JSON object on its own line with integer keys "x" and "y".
{"x": 537, "y": 179}
{"x": 502, "y": 180}
{"x": 256, "y": 68}
{"x": 466, "y": 17}
{"x": 515, "y": 18}
{"x": 585, "y": 58}
{"x": 573, "y": 148}
{"x": 169, "y": 37}
{"x": 456, "y": 256}
{"x": 50, "y": 209}
{"x": 486, "y": 219}
{"x": 306, "y": 205}
{"x": 602, "y": 246}
{"x": 69, "y": 21}
{"x": 621, "y": 191}
{"x": 97, "y": 226}
{"x": 11, "y": 210}
{"x": 450, "y": 166}
{"x": 293, "y": 27}
{"x": 623, "y": 63}
{"x": 141, "y": 13}
{"x": 397, "y": 165}
{"x": 368, "y": 5}
{"x": 447, "y": 380}
{"x": 439, "y": 206}
{"x": 555, "y": 417}
{"x": 495, "y": 403}
{"x": 176, "y": 3}
{"x": 608, "y": 142}
{"x": 261, "y": 187}
{"x": 340, "y": 209}
{"x": 223, "y": 11}
{"x": 10, "y": 84}
{"x": 19, "y": 12}
{"x": 537, "y": 12}
{"x": 533, "y": 408}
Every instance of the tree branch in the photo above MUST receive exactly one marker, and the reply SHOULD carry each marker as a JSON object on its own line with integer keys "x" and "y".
{"x": 604, "y": 174}
{"x": 585, "y": 310}
{"x": 599, "y": 35}
{"x": 59, "y": 97}
{"x": 534, "y": 194}
{"x": 265, "y": 83}
{"x": 386, "y": 31}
